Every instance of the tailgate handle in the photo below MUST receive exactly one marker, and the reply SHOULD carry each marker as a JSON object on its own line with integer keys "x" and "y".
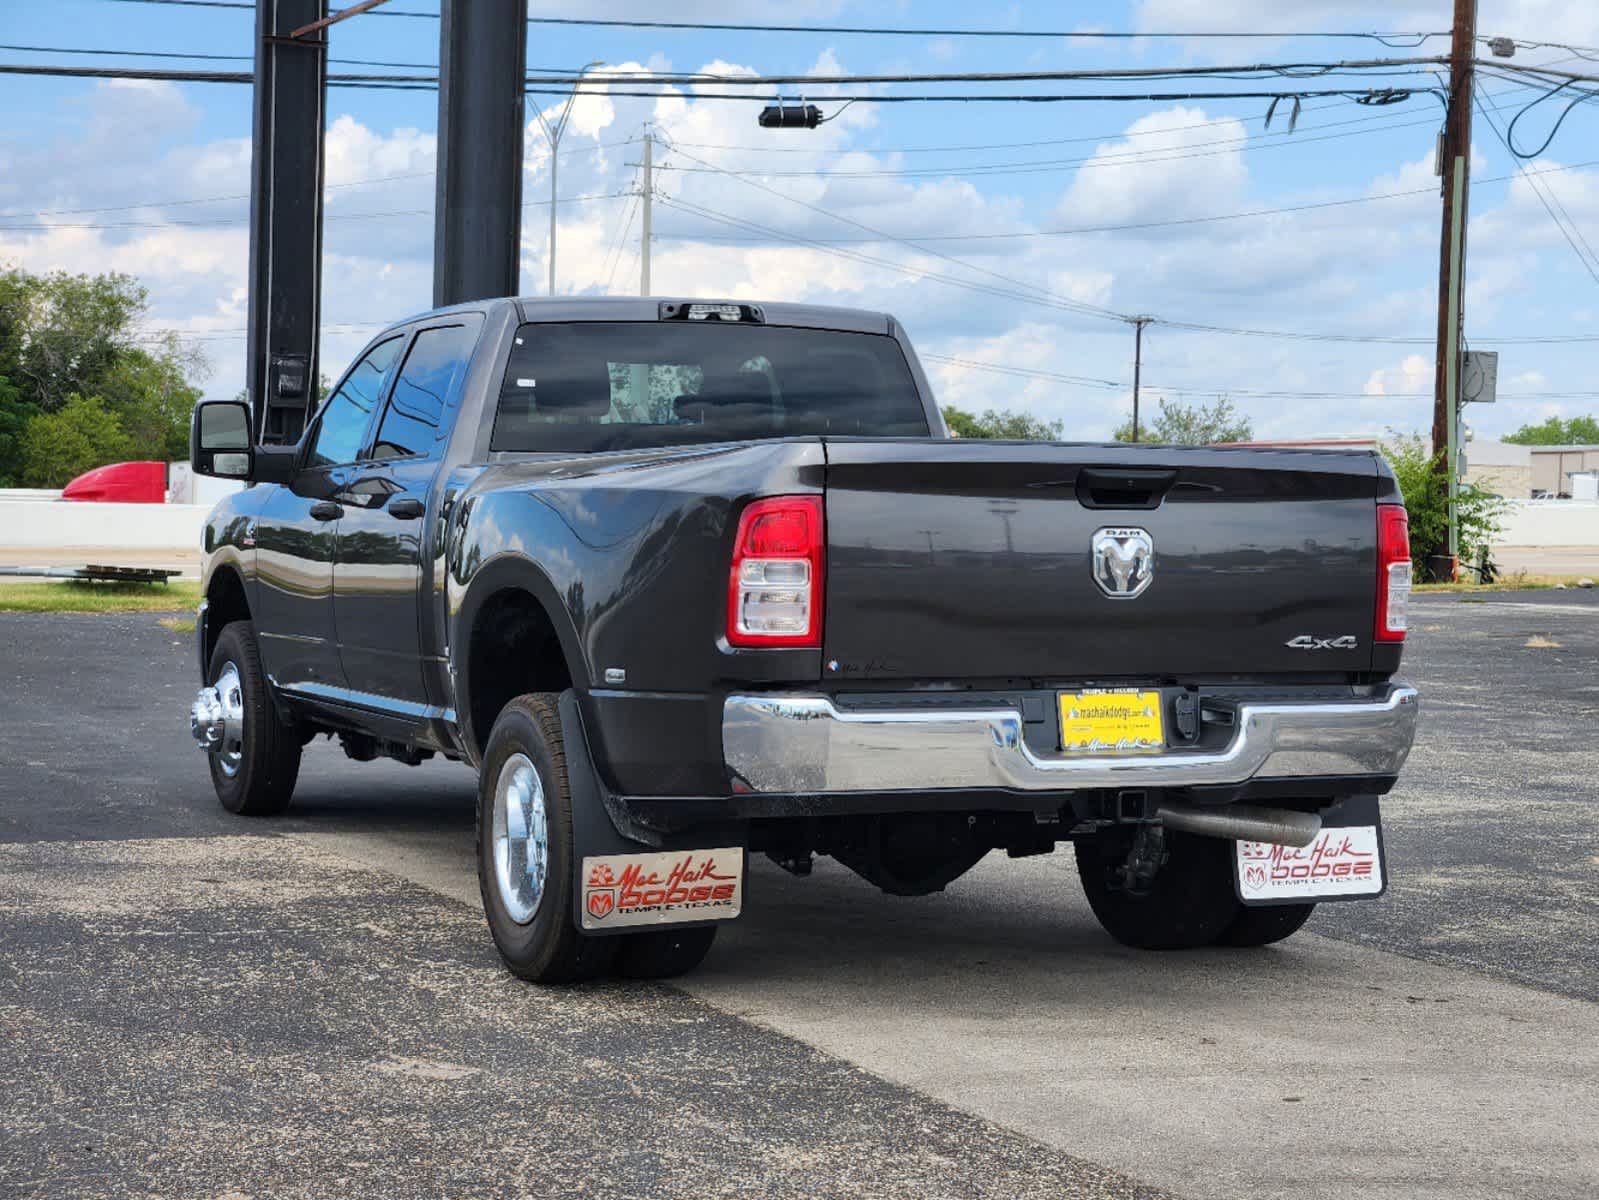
{"x": 1128, "y": 488}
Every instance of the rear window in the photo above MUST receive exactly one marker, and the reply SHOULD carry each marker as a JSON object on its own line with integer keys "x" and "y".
{"x": 614, "y": 386}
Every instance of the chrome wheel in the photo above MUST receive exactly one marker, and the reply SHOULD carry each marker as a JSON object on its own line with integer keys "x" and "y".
{"x": 230, "y": 698}
{"x": 521, "y": 838}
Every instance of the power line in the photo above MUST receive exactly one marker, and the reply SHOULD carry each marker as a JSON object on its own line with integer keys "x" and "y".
{"x": 1076, "y": 305}
{"x": 1292, "y": 70}
{"x": 901, "y": 31}
{"x": 225, "y": 223}
{"x": 875, "y": 30}
{"x": 1568, "y": 228}
{"x": 198, "y": 55}
{"x": 1175, "y": 221}
{"x": 421, "y": 83}
{"x": 1046, "y": 301}
{"x": 1045, "y": 166}
{"x": 1030, "y": 372}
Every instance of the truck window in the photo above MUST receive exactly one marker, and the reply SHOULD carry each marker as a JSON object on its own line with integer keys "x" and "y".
{"x": 412, "y": 420}
{"x": 617, "y": 385}
{"x": 343, "y": 420}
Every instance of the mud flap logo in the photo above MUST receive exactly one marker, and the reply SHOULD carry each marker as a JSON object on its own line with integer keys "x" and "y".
{"x": 1343, "y": 862}
{"x": 659, "y": 889}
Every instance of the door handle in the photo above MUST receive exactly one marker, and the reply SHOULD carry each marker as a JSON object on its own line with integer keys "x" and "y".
{"x": 407, "y": 508}
{"x": 326, "y": 510}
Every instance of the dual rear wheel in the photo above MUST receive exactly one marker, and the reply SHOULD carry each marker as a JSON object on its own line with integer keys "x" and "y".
{"x": 1189, "y": 903}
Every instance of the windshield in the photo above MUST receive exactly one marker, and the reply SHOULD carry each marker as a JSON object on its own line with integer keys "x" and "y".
{"x": 613, "y": 386}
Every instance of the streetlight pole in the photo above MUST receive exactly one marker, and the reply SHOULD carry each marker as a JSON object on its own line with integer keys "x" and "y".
{"x": 554, "y": 136}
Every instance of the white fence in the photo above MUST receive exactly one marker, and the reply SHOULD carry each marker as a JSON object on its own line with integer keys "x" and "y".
{"x": 1550, "y": 523}
{"x": 71, "y": 525}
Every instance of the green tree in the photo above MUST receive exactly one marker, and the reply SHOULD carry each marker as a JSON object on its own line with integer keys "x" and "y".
{"x": 67, "y": 330}
{"x": 15, "y": 414}
{"x": 1191, "y": 425}
{"x": 1426, "y": 493}
{"x": 1012, "y": 426}
{"x": 80, "y": 435}
{"x": 152, "y": 396}
{"x": 67, "y": 335}
{"x": 1556, "y": 431}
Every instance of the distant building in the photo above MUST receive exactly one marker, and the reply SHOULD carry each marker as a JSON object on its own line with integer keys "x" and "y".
{"x": 1499, "y": 467}
{"x": 1553, "y": 467}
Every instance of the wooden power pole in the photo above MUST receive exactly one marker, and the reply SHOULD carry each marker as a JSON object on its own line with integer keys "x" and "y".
{"x": 1138, "y": 364}
{"x": 1455, "y": 156}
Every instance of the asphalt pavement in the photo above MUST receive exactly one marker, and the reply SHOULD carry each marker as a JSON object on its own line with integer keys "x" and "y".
{"x": 198, "y": 1005}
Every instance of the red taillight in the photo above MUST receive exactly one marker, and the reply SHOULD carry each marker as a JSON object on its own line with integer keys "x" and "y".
{"x": 1393, "y": 572}
{"x": 774, "y": 593}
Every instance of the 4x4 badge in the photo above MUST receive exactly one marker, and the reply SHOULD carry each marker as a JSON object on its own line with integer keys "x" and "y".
{"x": 1305, "y": 642}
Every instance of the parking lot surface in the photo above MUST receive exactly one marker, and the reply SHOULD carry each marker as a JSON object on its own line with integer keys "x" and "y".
{"x": 195, "y": 1004}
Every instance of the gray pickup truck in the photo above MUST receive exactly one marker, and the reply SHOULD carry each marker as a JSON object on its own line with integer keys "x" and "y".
{"x": 686, "y": 581}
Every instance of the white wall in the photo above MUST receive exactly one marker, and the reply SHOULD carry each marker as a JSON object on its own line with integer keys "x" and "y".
{"x": 69, "y": 525}
{"x": 1550, "y": 523}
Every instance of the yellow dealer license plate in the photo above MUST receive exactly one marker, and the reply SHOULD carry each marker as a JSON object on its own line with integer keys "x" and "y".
{"x": 1111, "y": 721}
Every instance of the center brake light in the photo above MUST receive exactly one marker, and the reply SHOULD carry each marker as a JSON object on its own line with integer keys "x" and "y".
{"x": 774, "y": 593}
{"x": 1393, "y": 572}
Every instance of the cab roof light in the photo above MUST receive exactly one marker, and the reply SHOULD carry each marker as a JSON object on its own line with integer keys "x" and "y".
{"x": 712, "y": 312}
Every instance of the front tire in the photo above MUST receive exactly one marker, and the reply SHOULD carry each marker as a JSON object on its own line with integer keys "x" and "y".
{"x": 1189, "y": 903}
{"x": 255, "y": 768}
{"x": 526, "y": 872}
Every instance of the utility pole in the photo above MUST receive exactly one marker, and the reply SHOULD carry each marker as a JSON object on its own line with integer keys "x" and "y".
{"x": 554, "y": 136}
{"x": 1138, "y": 364}
{"x": 1455, "y": 155}
{"x": 478, "y": 199}
{"x": 649, "y": 188}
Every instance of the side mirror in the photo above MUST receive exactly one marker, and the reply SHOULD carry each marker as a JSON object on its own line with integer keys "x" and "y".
{"x": 219, "y": 439}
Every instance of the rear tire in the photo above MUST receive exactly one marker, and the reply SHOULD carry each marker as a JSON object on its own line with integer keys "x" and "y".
{"x": 1189, "y": 903}
{"x": 255, "y": 777}
{"x": 663, "y": 953}
{"x": 525, "y": 868}
{"x": 1263, "y": 926}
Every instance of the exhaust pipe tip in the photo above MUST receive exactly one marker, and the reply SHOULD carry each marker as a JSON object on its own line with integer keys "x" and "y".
{"x": 1242, "y": 823}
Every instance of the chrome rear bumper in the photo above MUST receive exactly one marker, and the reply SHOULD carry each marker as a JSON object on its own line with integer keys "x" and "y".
{"x": 794, "y": 743}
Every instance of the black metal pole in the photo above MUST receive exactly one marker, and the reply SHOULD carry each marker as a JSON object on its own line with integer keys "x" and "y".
{"x": 285, "y": 218}
{"x": 478, "y": 209}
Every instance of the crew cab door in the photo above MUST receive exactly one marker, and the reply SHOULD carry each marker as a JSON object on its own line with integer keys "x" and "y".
{"x": 378, "y": 576}
{"x": 296, "y": 535}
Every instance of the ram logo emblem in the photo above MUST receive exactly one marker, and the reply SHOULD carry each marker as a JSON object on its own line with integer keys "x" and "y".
{"x": 1123, "y": 561}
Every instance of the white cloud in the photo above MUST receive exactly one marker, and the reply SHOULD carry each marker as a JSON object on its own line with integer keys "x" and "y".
{"x": 1158, "y": 173}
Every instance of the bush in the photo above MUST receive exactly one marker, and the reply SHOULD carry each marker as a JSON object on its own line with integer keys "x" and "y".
{"x": 1426, "y": 493}
{"x": 82, "y": 434}
{"x": 1190, "y": 424}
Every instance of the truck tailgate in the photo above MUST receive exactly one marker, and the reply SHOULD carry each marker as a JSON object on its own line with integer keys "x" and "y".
{"x": 974, "y": 560}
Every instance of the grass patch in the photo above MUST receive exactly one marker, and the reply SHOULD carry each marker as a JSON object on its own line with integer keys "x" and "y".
{"x": 77, "y": 595}
{"x": 1518, "y": 581}
{"x": 178, "y": 624}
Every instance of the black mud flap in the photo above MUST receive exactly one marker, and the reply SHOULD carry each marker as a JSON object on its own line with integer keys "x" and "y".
{"x": 1345, "y": 862}
{"x": 627, "y": 885}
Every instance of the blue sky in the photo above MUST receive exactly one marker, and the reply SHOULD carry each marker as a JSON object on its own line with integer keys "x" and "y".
{"x": 956, "y": 174}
